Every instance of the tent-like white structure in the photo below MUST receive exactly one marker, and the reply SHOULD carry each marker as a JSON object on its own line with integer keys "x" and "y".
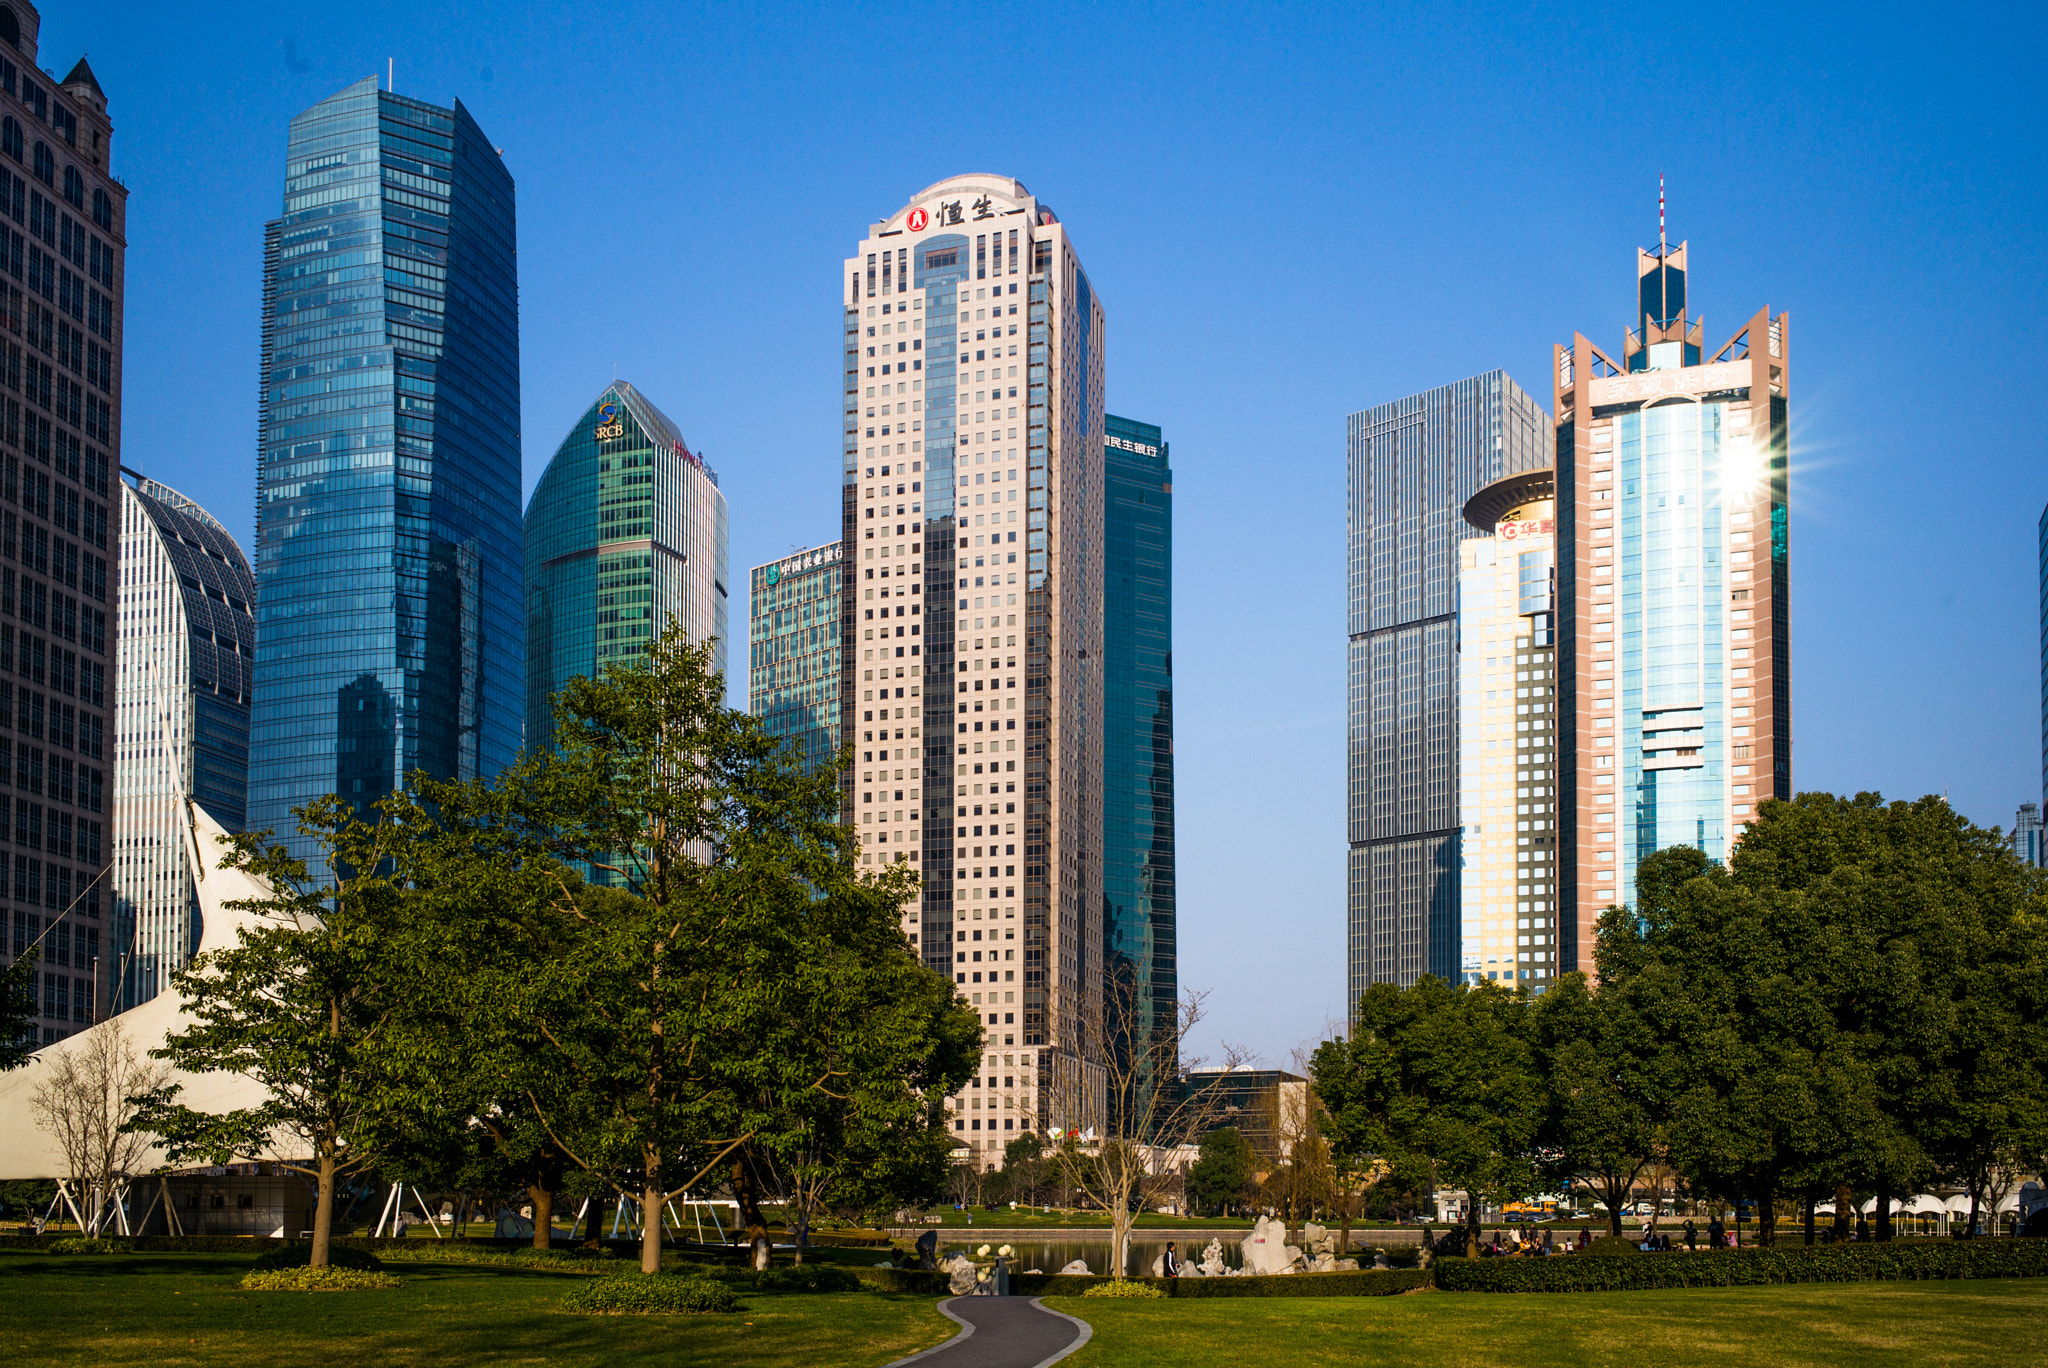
{"x": 26, "y": 1151}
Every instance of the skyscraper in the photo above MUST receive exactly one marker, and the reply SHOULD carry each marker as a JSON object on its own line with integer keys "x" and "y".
{"x": 794, "y": 649}
{"x": 389, "y": 633}
{"x": 973, "y": 502}
{"x": 63, "y": 243}
{"x": 1507, "y": 732}
{"x": 626, "y": 531}
{"x": 187, "y": 643}
{"x": 1140, "y": 952}
{"x": 1674, "y": 660}
{"x": 1413, "y": 464}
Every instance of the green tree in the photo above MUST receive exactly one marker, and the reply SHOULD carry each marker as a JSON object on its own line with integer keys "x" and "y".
{"x": 1222, "y": 1169}
{"x": 1440, "y": 1081}
{"x": 703, "y": 998}
{"x": 17, "y": 1012}
{"x": 304, "y": 1004}
{"x": 1608, "y": 1084}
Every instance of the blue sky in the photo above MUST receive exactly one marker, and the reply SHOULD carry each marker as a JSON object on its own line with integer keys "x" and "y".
{"x": 1290, "y": 213}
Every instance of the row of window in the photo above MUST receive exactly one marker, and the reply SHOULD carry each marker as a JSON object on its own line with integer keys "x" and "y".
{"x": 62, "y": 834}
{"x": 46, "y": 609}
{"x": 39, "y": 718}
{"x": 46, "y": 663}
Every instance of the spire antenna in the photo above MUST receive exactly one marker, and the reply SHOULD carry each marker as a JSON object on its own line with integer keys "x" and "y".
{"x": 1662, "y": 247}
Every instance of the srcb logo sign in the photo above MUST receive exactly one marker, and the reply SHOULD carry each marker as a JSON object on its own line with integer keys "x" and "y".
{"x": 609, "y": 426}
{"x": 917, "y": 220}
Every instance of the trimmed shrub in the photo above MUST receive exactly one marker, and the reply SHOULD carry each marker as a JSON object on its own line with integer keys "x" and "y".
{"x": 1127, "y": 1288}
{"x": 304, "y": 1279}
{"x": 807, "y": 1277}
{"x": 567, "y": 1260}
{"x": 662, "y": 1294}
{"x": 75, "y": 1244}
{"x": 1613, "y": 1244}
{"x": 1363, "y": 1283}
{"x": 1748, "y": 1267}
{"x": 300, "y": 1255}
{"x": 918, "y": 1281}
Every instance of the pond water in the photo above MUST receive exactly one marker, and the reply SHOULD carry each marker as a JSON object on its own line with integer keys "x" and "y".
{"x": 1052, "y": 1255}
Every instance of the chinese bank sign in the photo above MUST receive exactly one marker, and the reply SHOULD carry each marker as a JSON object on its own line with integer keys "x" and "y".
{"x": 1531, "y": 520}
{"x": 810, "y": 560}
{"x": 1126, "y": 444}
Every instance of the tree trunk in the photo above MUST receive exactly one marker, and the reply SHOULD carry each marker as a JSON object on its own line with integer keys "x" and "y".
{"x": 750, "y": 1212}
{"x": 1471, "y": 1223}
{"x": 1809, "y": 1219}
{"x": 1119, "y": 1237}
{"x": 1976, "y": 1194}
{"x": 593, "y": 1222}
{"x": 1344, "y": 1232}
{"x": 1845, "y": 1216}
{"x": 1884, "y": 1209}
{"x": 323, "y": 1211}
{"x": 1616, "y": 1196}
{"x": 543, "y": 1214}
{"x": 650, "y": 1225}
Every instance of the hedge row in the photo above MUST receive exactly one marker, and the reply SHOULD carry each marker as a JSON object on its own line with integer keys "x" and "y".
{"x": 1364, "y": 1283}
{"x": 1749, "y": 1267}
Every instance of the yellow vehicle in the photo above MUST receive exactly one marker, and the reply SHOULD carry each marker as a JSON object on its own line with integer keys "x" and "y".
{"x": 1529, "y": 1211}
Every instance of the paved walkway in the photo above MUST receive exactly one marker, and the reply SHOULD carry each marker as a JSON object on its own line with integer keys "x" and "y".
{"x": 1003, "y": 1332}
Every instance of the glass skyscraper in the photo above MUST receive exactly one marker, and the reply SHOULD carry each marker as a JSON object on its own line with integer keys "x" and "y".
{"x": 1139, "y": 951}
{"x": 1412, "y": 465}
{"x": 626, "y": 531}
{"x": 181, "y": 702}
{"x": 1674, "y": 659}
{"x": 794, "y": 648}
{"x": 389, "y": 633}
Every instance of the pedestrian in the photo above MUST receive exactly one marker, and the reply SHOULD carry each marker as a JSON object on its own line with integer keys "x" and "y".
{"x": 1585, "y": 1238}
{"x": 1170, "y": 1264}
{"x": 1549, "y": 1246}
{"x": 1692, "y": 1235}
{"x": 1714, "y": 1232}
{"x": 1862, "y": 1229}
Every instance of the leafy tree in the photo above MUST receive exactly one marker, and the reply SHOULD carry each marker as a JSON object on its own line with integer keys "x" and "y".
{"x": 700, "y": 999}
{"x": 1438, "y": 1080}
{"x": 1024, "y": 1166}
{"x": 1609, "y": 1080}
{"x": 303, "y": 1004}
{"x": 17, "y": 1012}
{"x": 1931, "y": 927}
{"x": 1223, "y": 1169}
{"x": 85, "y": 1103}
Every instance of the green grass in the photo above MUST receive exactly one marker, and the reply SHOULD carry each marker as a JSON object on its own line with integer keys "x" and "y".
{"x": 1951, "y": 1324}
{"x": 153, "y": 1310}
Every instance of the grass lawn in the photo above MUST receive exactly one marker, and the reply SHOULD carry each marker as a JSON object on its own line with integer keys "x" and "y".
{"x": 1954, "y": 1324}
{"x": 171, "y": 1310}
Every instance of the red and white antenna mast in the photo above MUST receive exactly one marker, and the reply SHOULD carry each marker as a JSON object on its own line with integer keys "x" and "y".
{"x": 1662, "y": 247}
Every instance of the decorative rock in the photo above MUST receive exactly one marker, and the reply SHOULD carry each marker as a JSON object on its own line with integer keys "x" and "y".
{"x": 1266, "y": 1249}
{"x": 960, "y": 1274}
{"x": 1212, "y": 1260}
{"x": 1077, "y": 1266}
{"x": 1379, "y": 1259}
{"x": 1347, "y": 1265}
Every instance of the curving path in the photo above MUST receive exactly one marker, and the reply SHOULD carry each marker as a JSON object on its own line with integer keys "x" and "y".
{"x": 1003, "y": 1332}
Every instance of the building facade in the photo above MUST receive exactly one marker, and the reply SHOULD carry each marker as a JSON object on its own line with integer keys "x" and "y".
{"x": 63, "y": 247}
{"x": 389, "y": 632}
{"x": 794, "y": 649}
{"x": 2028, "y": 834}
{"x": 1507, "y": 733}
{"x": 1674, "y": 662}
{"x": 1139, "y": 947}
{"x": 186, "y": 650}
{"x": 973, "y": 517}
{"x": 1412, "y": 466}
{"x": 626, "y": 532}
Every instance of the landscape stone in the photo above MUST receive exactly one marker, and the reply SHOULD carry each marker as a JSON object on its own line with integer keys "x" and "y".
{"x": 1077, "y": 1266}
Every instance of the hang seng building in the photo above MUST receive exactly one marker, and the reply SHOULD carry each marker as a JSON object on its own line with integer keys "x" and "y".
{"x": 972, "y": 675}
{"x": 1675, "y": 652}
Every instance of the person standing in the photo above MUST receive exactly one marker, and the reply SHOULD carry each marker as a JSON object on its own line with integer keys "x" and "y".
{"x": 1692, "y": 1234}
{"x": 1170, "y": 1263}
{"x": 1714, "y": 1232}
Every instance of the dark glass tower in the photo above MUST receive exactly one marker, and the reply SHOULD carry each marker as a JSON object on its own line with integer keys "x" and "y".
{"x": 1413, "y": 463}
{"x": 388, "y": 562}
{"x": 1138, "y": 944}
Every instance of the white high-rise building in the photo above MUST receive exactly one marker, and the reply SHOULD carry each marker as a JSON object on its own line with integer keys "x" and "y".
{"x": 183, "y": 657}
{"x": 972, "y": 687}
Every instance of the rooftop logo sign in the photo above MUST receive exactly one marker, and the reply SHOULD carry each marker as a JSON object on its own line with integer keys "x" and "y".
{"x": 609, "y": 425}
